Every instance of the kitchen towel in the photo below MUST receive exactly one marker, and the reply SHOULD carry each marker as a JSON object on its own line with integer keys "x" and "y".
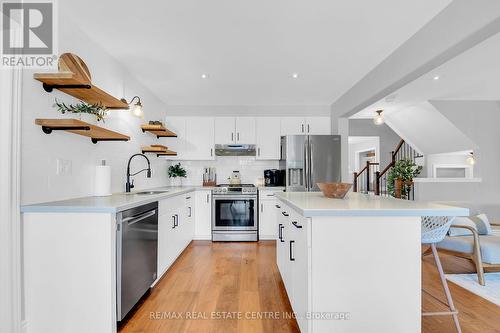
{"x": 102, "y": 180}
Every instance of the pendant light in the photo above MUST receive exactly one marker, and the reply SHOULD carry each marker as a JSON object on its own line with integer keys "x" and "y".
{"x": 471, "y": 160}
{"x": 137, "y": 108}
{"x": 378, "y": 119}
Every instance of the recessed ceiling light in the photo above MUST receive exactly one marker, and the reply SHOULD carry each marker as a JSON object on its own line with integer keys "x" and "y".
{"x": 295, "y": 75}
{"x": 204, "y": 76}
{"x": 435, "y": 78}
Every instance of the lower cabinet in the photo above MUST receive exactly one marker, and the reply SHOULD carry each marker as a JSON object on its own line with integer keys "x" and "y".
{"x": 203, "y": 214}
{"x": 175, "y": 228}
{"x": 268, "y": 213}
{"x": 292, "y": 254}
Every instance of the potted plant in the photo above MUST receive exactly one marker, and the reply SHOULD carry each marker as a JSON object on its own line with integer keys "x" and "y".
{"x": 177, "y": 172}
{"x": 400, "y": 178}
{"x": 86, "y": 112}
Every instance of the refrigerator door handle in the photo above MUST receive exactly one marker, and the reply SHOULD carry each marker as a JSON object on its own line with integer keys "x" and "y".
{"x": 311, "y": 166}
{"x": 305, "y": 171}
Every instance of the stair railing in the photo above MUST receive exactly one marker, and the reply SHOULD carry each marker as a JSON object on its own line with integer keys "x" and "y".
{"x": 402, "y": 151}
{"x": 362, "y": 179}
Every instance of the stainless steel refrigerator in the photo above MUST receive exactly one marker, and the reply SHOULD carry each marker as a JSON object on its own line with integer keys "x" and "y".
{"x": 310, "y": 159}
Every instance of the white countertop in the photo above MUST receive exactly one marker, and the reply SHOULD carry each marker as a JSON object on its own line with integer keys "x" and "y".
{"x": 311, "y": 204}
{"x": 110, "y": 204}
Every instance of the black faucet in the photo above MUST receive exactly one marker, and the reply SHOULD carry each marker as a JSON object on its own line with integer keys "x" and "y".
{"x": 129, "y": 185}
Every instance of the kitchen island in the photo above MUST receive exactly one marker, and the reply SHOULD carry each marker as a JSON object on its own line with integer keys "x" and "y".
{"x": 353, "y": 264}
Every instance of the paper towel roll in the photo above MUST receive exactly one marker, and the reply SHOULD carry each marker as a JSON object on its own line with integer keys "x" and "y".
{"x": 102, "y": 184}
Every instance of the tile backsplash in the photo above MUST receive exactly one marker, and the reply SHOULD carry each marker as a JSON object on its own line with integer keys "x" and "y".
{"x": 249, "y": 168}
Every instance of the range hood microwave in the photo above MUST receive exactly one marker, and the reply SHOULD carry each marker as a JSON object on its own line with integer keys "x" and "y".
{"x": 234, "y": 150}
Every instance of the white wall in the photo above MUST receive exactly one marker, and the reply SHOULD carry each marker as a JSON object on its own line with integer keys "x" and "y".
{"x": 250, "y": 169}
{"x": 450, "y": 159}
{"x": 40, "y": 151}
{"x": 248, "y": 110}
{"x": 427, "y": 130}
{"x": 479, "y": 121}
{"x": 362, "y": 144}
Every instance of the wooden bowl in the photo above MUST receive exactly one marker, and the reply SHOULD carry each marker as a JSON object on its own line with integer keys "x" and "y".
{"x": 334, "y": 190}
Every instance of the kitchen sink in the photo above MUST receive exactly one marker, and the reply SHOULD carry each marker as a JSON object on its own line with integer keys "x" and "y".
{"x": 149, "y": 192}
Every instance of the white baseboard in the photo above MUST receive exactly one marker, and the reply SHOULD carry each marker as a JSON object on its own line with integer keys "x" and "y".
{"x": 202, "y": 237}
{"x": 268, "y": 237}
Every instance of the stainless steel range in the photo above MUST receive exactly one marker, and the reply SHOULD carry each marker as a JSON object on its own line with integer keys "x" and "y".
{"x": 234, "y": 213}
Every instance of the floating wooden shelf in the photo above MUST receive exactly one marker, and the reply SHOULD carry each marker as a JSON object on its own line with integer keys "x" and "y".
{"x": 73, "y": 78}
{"x": 95, "y": 133}
{"x": 159, "y": 131}
{"x": 167, "y": 153}
{"x": 159, "y": 150}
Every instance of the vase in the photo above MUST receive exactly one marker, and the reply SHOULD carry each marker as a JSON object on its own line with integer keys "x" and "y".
{"x": 176, "y": 181}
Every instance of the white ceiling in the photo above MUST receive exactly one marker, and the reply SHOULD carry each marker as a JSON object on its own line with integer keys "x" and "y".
{"x": 251, "y": 48}
{"x": 473, "y": 75}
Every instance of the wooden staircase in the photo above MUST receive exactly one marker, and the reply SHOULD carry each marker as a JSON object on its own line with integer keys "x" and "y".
{"x": 370, "y": 180}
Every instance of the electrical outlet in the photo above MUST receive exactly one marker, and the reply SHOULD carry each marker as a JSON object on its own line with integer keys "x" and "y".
{"x": 64, "y": 167}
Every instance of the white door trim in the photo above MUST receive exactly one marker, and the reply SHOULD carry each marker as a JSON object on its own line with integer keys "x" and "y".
{"x": 10, "y": 220}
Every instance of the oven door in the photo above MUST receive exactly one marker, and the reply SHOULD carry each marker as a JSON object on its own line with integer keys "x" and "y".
{"x": 234, "y": 212}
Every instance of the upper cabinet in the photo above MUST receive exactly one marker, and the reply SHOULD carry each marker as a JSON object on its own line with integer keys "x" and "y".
{"x": 234, "y": 130}
{"x": 199, "y": 138}
{"x": 305, "y": 126}
{"x": 195, "y": 138}
{"x": 318, "y": 125}
{"x": 292, "y": 126}
{"x": 245, "y": 130}
{"x": 268, "y": 138}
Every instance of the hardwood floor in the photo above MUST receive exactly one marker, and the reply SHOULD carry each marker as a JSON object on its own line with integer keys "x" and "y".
{"x": 243, "y": 278}
{"x": 218, "y": 277}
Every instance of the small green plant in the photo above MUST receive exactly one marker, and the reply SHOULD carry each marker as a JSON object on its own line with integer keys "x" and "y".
{"x": 176, "y": 170}
{"x": 98, "y": 110}
{"x": 404, "y": 170}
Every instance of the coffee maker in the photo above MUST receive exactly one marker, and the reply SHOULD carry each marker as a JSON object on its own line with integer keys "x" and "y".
{"x": 274, "y": 177}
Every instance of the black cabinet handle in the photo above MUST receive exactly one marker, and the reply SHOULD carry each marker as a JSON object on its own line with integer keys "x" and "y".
{"x": 281, "y": 233}
{"x": 278, "y": 206}
{"x": 176, "y": 220}
{"x": 190, "y": 211}
{"x": 173, "y": 217}
{"x": 296, "y": 224}
{"x": 285, "y": 214}
{"x": 291, "y": 251}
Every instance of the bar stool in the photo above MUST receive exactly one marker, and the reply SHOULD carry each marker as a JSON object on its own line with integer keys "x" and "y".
{"x": 434, "y": 229}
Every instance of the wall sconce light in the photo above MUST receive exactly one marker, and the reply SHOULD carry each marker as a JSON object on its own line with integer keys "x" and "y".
{"x": 378, "y": 119}
{"x": 137, "y": 108}
{"x": 471, "y": 160}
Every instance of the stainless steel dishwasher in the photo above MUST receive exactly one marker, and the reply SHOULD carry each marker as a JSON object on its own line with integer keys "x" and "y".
{"x": 136, "y": 255}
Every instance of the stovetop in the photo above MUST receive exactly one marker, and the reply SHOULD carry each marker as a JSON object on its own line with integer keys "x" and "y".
{"x": 235, "y": 189}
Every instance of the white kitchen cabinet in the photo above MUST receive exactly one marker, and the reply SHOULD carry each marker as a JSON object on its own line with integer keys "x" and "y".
{"x": 199, "y": 143}
{"x": 292, "y": 126}
{"x": 282, "y": 244}
{"x": 268, "y": 213}
{"x": 166, "y": 235}
{"x": 299, "y": 268}
{"x": 305, "y": 126}
{"x": 318, "y": 125}
{"x": 235, "y": 130}
{"x": 292, "y": 255}
{"x": 175, "y": 229}
{"x": 225, "y": 130}
{"x": 268, "y": 138}
{"x": 245, "y": 130}
{"x": 195, "y": 138}
{"x": 203, "y": 214}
